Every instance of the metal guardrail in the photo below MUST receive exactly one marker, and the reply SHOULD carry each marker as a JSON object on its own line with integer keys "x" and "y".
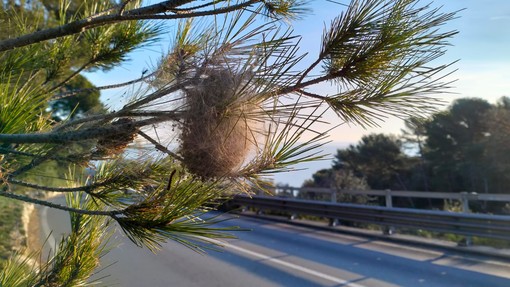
{"x": 463, "y": 197}
{"x": 468, "y": 224}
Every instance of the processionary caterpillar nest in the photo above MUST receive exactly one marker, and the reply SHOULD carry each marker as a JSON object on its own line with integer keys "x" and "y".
{"x": 114, "y": 144}
{"x": 217, "y": 132}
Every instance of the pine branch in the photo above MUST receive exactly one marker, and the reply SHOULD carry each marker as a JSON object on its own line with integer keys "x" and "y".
{"x": 160, "y": 146}
{"x": 24, "y": 198}
{"x": 35, "y": 162}
{"x": 110, "y": 131}
{"x": 71, "y": 76}
{"x": 187, "y": 9}
{"x": 156, "y": 95}
{"x": 85, "y": 188}
{"x": 301, "y": 85}
{"x": 308, "y": 70}
{"x": 106, "y": 87}
{"x": 124, "y": 113}
{"x": 122, "y": 6}
{"x": 151, "y": 12}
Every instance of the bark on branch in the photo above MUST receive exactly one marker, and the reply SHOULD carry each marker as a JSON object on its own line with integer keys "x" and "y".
{"x": 151, "y": 12}
{"x": 110, "y": 131}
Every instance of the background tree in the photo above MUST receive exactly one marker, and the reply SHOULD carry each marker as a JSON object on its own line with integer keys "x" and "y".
{"x": 84, "y": 99}
{"x": 220, "y": 88}
{"x": 322, "y": 178}
{"x": 413, "y": 137}
{"x": 455, "y": 147}
{"x": 376, "y": 162}
{"x": 497, "y": 139}
{"x": 378, "y": 158}
{"x": 339, "y": 181}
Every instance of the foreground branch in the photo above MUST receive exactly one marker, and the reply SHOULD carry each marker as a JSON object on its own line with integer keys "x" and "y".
{"x": 152, "y": 12}
{"x": 110, "y": 131}
{"x": 28, "y": 199}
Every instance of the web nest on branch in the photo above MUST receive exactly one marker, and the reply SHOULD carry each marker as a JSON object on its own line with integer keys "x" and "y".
{"x": 115, "y": 144}
{"x": 218, "y": 132}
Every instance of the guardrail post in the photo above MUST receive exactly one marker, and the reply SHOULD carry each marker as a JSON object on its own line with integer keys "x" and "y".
{"x": 333, "y": 221}
{"x": 389, "y": 201}
{"x": 388, "y": 230}
{"x": 464, "y": 200}
{"x": 333, "y": 196}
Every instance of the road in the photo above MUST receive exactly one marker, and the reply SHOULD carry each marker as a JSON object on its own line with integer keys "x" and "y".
{"x": 277, "y": 254}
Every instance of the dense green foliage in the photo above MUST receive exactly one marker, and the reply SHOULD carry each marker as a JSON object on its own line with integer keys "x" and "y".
{"x": 461, "y": 147}
{"x": 377, "y": 158}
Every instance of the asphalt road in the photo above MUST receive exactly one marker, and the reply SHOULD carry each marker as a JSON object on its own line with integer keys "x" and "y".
{"x": 276, "y": 254}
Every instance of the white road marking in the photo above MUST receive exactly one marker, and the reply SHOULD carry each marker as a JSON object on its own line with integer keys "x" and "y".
{"x": 296, "y": 267}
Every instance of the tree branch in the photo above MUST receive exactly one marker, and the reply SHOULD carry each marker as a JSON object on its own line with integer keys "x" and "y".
{"x": 28, "y": 199}
{"x": 85, "y": 188}
{"x": 169, "y": 115}
{"x": 122, "y": 6}
{"x": 106, "y": 87}
{"x": 307, "y": 71}
{"x": 110, "y": 131}
{"x": 160, "y": 146}
{"x": 70, "y": 77}
{"x": 299, "y": 86}
{"x": 199, "y": 6}
{"x": 312, "y": 95}
{"x": 154, "y": 96}
{"x": 151, "y": 12}
{"x": 35, "y": 162}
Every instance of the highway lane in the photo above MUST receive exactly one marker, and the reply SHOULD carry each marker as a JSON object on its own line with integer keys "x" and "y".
{"x": 276, "y": 254}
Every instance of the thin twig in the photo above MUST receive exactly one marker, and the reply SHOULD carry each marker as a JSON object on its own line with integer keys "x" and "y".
{"x": 198, "y": 6}
{"x": 307, "y": 71}
{"x": 35, "y": 162}
{"x": 70, "y": 77}
{"x": 16, "y": 152}
{"x": 114, "y": 86}
{"x": 123, "y": 6}
{"x": 159, "y": 146}
{"x": 154, "y": 96}
{"x": 70, "y": 158}
{"x": 299, "y": 86}
{"x": 170, "y": 180}
{"x": 312, "y": 95}
{"x": 24, "y": 198}
{"x": 85, "y": 188}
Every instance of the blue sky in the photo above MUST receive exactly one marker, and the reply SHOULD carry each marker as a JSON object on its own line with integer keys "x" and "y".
{"x": 482, "y": 48}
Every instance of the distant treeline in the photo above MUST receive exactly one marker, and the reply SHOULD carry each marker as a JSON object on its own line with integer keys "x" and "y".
{"x": 464, "y": 148}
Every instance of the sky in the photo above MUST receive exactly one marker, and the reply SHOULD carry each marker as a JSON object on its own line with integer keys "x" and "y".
{"x": 482, "y": 48}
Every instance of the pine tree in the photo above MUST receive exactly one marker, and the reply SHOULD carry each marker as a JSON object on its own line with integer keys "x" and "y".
{"x": 225, "y": 106}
